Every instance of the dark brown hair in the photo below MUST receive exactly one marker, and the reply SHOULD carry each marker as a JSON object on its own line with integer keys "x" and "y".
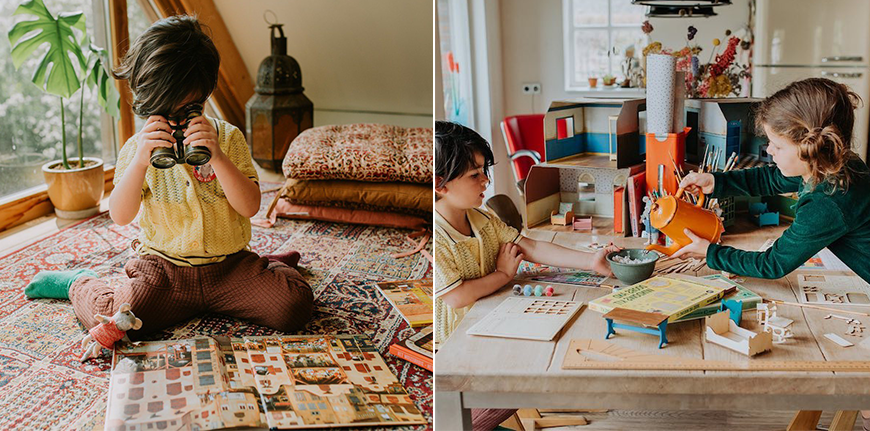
{"x": 455, "y": 149}
{"x": 171, "y": 61}
{"x": 817, "y": 115}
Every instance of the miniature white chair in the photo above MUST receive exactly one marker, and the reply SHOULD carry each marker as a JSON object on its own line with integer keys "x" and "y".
{"x": 762, "y": 313}
{"x": 779, "y": 328}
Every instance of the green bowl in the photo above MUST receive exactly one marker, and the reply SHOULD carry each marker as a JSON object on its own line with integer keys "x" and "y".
{"x": 633, "y": 273}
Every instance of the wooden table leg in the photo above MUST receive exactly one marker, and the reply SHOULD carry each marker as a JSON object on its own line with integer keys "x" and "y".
{"x": 844, "y": 420}
{"x": 805, "y": 420}
{"x": 449, "y": 412}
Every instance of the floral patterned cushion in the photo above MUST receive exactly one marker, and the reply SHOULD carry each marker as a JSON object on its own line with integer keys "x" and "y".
{"x": 361, "y": 152}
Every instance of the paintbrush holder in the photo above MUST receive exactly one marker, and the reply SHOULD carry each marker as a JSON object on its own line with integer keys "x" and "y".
{"x": 673, "y": 215}
{"x": 665, "y": 153}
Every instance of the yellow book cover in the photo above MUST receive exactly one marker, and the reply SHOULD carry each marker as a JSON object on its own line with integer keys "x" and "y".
{"x": 671, "y": 296}
{"x": 413, "y": 299}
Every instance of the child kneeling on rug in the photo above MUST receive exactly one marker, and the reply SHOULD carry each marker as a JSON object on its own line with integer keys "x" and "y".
{"x": 192, "y": 250}
{"x": 475, "y": 252}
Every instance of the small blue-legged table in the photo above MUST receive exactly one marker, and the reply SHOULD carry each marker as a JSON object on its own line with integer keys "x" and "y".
{"x": 642, "y": 322}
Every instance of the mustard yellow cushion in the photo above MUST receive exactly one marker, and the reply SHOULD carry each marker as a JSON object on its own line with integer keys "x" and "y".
{"x": 408, "y": 198}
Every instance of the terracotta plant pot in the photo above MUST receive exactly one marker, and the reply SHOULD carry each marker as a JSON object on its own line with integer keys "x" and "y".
{"x": 75, "y": 193}
{"x": 593, "y": 82}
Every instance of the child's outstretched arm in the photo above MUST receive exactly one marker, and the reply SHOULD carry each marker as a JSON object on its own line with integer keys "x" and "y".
{"x": 762, "y": 181}
{"x": 556, "y": 255}
{"x": 467, "y": 293}
{"x": 818, "y": 223}
{"x": 242, "y": 193}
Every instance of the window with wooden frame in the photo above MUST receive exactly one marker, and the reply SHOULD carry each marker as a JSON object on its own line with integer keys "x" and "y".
{"x": 27, "y": 139}
{"x": 31, "y": 118}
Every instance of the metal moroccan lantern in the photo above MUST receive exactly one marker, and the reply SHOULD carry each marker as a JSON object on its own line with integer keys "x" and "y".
{"x": 278, "y": 111}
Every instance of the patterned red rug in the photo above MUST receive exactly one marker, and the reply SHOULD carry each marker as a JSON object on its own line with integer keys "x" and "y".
{"x": 44, "y": 386}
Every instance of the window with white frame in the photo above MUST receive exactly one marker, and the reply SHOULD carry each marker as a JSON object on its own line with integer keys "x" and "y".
{"x": 596, "y": 34}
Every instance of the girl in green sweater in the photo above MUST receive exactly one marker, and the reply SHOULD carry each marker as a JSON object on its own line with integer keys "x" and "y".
{"x": 809, "y": 125}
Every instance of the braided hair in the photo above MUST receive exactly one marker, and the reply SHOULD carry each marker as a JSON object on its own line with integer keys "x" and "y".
{"x": 817, "y": 115}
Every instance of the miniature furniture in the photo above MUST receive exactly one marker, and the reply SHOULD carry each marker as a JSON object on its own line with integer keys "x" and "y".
{"x": 524, "y": 138}
{"x": 579, "y": 140}
{"x": 530, "y": 374}
{"x": 762, "y": 217}
{"x": 721, "y": 330}
{"x": 643, "y": 322}
{"x": 583, "y": 223}
{"x": 734, "y": 308}
{"x": 564, "y": 217}
{"x": 778, "y": 326}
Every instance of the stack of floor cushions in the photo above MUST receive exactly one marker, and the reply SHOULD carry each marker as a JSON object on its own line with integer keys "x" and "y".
{"x": 371, "y": 174}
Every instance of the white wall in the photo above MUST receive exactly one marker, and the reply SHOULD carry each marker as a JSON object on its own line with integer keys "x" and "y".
{"x": 362, "y": 61}
{"x": 532, "y": 51}
{"x": 532, "y": 46}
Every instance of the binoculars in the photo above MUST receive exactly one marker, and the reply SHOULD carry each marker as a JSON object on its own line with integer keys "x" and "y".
{"x": 164, "y": 158}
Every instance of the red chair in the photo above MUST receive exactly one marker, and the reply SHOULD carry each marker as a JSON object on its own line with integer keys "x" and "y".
{"x": 524, "y": 137}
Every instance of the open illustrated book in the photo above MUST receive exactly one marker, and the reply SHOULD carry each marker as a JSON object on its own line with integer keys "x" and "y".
{"x": 412, "y": 298}
{"x": 314, "y": 381}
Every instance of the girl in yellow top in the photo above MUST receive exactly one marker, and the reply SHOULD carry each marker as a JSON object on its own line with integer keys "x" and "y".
{"x": 192, "y": 249}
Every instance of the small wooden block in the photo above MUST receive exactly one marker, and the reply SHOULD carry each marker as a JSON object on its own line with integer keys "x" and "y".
{"x": 513, "y": 423}
{"x": 528, "y": 413}
{"x": 634, "y": 316}
{"x": 528, "y": 424}
{"x": 805, "y": 420}
{"x": 839, "y": 340}
{"x": 573, "y": 410}
{"x": 844, "y": 420}
{"x": 560, "y": 421}
{"x": 531, "y": 424}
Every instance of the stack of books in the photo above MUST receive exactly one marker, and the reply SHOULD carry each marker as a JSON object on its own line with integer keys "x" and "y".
{"x": 672, "y": 296}
{"x": 417, "y": 349}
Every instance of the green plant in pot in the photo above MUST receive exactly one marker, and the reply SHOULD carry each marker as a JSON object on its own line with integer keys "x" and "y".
{"x": 75, "y": 186}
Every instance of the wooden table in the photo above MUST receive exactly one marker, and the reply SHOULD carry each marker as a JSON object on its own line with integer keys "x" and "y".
{"x": 484, "y": 372}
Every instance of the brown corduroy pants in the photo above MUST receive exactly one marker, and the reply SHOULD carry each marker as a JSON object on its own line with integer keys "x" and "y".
{"x": 244, "y": 285}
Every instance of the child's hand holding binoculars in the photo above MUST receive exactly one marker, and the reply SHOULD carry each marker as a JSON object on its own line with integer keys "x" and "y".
{"x": 155, "y": 134}
{"x": 201, "y": 133}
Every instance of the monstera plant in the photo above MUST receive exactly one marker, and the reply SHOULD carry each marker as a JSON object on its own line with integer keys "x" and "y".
{"x": 70, "y": 64}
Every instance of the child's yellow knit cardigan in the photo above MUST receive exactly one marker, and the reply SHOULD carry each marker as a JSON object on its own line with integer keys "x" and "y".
{"x": 459, "y": 257}
{"x": 186, "y": 218}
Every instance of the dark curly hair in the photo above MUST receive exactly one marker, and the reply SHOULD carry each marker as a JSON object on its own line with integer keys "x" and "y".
{"x": 455, "y": 147}
{"x": 172, "y": 60}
